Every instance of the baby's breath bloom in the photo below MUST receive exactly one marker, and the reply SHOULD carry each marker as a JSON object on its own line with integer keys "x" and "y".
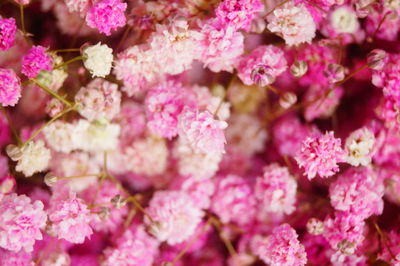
{"x": 359, "y": 147}
{"x": 8, "y": 29}
{"x": 35, "y": 61}
{"x": 98, "y": 59}
{"x": 294, "y": 23}
{"x": 10, "y": 87}
{"x": 35, "y": 158}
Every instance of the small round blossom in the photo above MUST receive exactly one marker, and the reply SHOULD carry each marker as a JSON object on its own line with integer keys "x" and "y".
{"x": 98, "y": 59}
{"x": 8, "y": 29}
{"x": 175, "y": 216}
{"x": 222, "y": 46}
{"x": 276, "y": 190}
{"x": 35, "y": 61}
{"x": 22, "y": 2}
{"x": 58, "y": 136}
{"x": 344, "y": 232}
{"x": 107, "y": 15}
{"x": 294, "y": 23}
{"x": 164, "y": 104}
{"x": 20, "y": 222}
{"x": 70, "y": 219}
{"x": 320, "y": 155}
{"x": 10, "y": 87}
{"x": 270, "y": 56}
{"x": 132, "y": 120}
{"x": 99, "y": 100}
{"x": 344, "y": 20}
{"x": 233, "y": 197}
{"x": 357, "y": 191}
{"x": 11, "y": 258}
{"x": 35, "y": 158}
{"x": 135, "y": 247}
{"x": 282, "y": 248}
{"x": 359, "y": 147}
{"x": 80, "y": 6}
{"x": 239, "y": 13}
{"x": 202, "y": 132}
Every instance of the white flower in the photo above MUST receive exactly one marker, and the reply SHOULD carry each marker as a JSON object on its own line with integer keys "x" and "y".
{"x": 344, "y": 20}
{"x": 95, "y": 136}
{"x": 58, "y": 136}
{"x": 98, "y": 60}
{"x": 35, "y": 158}
{"x": 359, "y": 146}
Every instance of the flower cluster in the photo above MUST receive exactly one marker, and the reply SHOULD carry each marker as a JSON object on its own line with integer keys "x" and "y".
{"x": 195, "y": 132}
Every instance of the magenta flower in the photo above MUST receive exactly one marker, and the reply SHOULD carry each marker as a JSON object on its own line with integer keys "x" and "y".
{"x": 35, "y": 61}
{"x": 8, "y": 29}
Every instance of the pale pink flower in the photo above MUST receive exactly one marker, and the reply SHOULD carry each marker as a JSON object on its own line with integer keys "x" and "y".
{"x": 202, "y": 132}
{"x": 134, "y": 247}
{"x": 22, "y": 2}
{"x": 10, "y": 258}
{"x": 358, "y": 191}
{"x": 20, "y": 222}
{"x": 164, "y": 104}
{"x": 282, "y": 248}
{"x": 8, "y": 29}
{"x": 233, "y": 197}
{"x": 99, "y": 100}
{"x": 107, "y": 16}
{"x": 238, "y": 13}
{"x": 320, "y": 155}
{"x": 199, "y": 190}
{"x": 132, "y": 120}
{"x": 10, "y": 87}
{"x": 294, "y": 23}
{"x": 221, "y": 45}
{"x": 270, "y": 56}
{"x": 344, "y": 232}
{"x": 35, "y": 61}
{"x": 276, "y": 190}
{"x": 383, "y": 24}
{"x": 70, "y": 23}
{"x": 359, "y": 147}
{"x": 80, "y": 6}
{"x": 69, "y": 217}
{"x": 175, "y": 216}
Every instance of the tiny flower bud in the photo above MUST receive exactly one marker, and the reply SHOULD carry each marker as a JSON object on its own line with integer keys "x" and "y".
{"x": 118, "y": 202}
{"x": 258, "y": 25}
{"x": 346, "y": 247}
{"x": 104, "y": 213}
{"x": 299, "y": 68}
{"x": 376, "y": 59}
{"x": 50, "y": 179}
{"x": 166, "y": 263}
{"x": 7, "y": 184}
{"x": 315, "y": 226}
{"x": 334, "y": 72}
{"x": 287, "y": 100}
{"x": 14, "y": 152}
{"x": 155, "y": 228}
{"x": 260, "y": 75}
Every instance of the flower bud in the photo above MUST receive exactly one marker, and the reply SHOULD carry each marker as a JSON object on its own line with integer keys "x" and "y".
{"x": 118, "y": 202}
{"x": 346, "y": 247}
{"x": 7, "y": 184}
{"x": 315, "y": 226}
{"x": 334, "y": 72}
{"x": 14, "y": 152}
{"x": 104, "y": 213}
{"x": 376, "y": 59}
{"x": 166, "y": 263}
{"x": 299, "y": 68}
{"x": 258, "y": 25}
{"x": 260, "y": 75}
{"x": 287, "y": 100}
{"x": 50, "y": 179}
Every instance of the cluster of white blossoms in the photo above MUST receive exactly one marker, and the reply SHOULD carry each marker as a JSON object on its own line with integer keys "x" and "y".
{"x": 359, "y": 147}
{"x": 98, "y": 60}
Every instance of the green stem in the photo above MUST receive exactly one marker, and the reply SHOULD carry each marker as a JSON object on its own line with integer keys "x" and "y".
{"x": 37, "y": 132}
{"x": 21, "y": 10}
{"x": 69, "y": 62}
{"x": 66, "y": 50}
{"x": 52, "y": 93}
{"x": 77, "y": 176}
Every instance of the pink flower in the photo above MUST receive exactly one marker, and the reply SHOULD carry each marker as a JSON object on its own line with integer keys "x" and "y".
{"x": 134, "y": 247}
{"x": 70, "y": 218}
{"x": 320, "y": 155}
{"x": 22, "y": 2}
{"x": 202, "y": 132}
{"x": 9, "y": 258}
{"x": 99, "y": 100}
{"x": 10, "y": 87}
{"x": 221, "y": 45}
{"x": 175, "y": 216}
{"x": 276, "y": 190}
{"x": 234, "y": 197}
{"x": 282, "y": 248}
{"x": 238, "y": 13}
{"x": 164, "y": 104}
{"x": 8, "y": 29}
{"x": 357, "y": 191}
{"x": 107, "y": 15}
{"x": 270, "y": 56}
{"x": 294, "y": 23}
{"x": 132, "y": 120}
{"x": 35, "y": 61}
{"x": 20, "y": 222}
{"x": 344, "y": 232}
